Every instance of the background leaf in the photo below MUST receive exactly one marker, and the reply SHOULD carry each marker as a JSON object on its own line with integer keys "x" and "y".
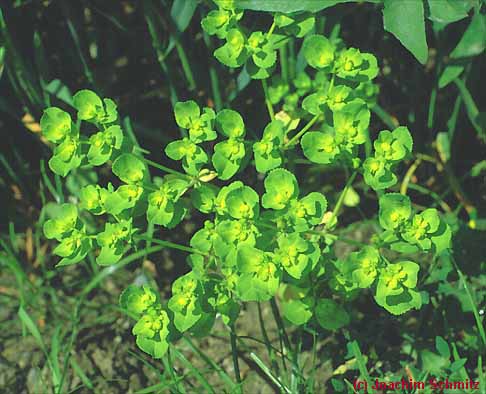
{"x": 405, "y": 20}
{"x": 289, "y": 6}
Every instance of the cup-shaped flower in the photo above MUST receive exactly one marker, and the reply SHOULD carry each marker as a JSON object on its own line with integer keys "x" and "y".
{"x": 356, "y": 66}
{"x": 55, "y": 124}
{"x": 365, "y": 264}
{"x": 319, "y": 52}
{"x": 67, "y": 156}
{"x": 93, "y": 198}
{"x": 295, "y": 254}
{"x": 280, "y": 188}
{"x": 129, "y": 168}
{"x": 138, "y": 299}
{"x": 421, "y": 227}
{"x": 377, "y": 173}
{"x": 103, "y": 143}
{"x": 200, "y": 126}
{"x": 395, "y": 288}
{"x": 64, "y": 222}
{"x": 113, "y": 241}
{"x": 321, "y": 148}
{"x": 395, "y": 210}
{"x": 267, "y": 151}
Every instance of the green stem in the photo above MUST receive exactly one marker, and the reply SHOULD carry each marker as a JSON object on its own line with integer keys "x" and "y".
{"x": 163, "y": 168}
{"x": 272, "y": 29}
{"x": 271, "y": 113}
{"x": 408, "y": 176}
{"x": 186, "y": 67}
{"x": 284, "y": 63}
{"x": 171, "y": 245}
{"x": 477, "y": 317}
{"x": 268, "y": 344}
{"x": 294, "y": 139}
{"x": 335, "y": 212}
{"x": 234, "y": 354}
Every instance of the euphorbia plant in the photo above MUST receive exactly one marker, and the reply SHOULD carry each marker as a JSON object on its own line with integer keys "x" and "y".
{"x": 252, "y": 246}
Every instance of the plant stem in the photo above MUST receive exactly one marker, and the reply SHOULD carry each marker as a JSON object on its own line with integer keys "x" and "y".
{"x": 293, "y": 140}
{"x": 408, "y": 176}
{"x": 268, "y": 344}
{"x": 477, "y": 317}
{"x": 234, "y": 354}
{"x": 335, "y": 212}
{"x": 272, "y": 29}
{"x": 171, "y": 245}
{"x": 271, "y": 113}
{"x": 164, "y": 168}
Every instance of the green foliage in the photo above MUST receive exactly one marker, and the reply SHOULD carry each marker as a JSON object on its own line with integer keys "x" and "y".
{"x": 258, "y": 242}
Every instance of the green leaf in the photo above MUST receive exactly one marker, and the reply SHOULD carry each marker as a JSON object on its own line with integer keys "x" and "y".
{"x": 227, "y": 157}
{"x": 297, "y": 25}
{"x": 351, "y": 199}
{"x": 230, "y": 123}
{"x": 472, "y": 110}
{"x": 185, "y": 301}
{"x": 356, "y": 66}
{"x": 125, "y": 197}
{"x": 331, "y": 315}
{"x": 55, "y": 124}
{"x": 203, "y": 197}
{"x": 267, "y": 151}
{"x": 155, "y": 348}
{"x": 441, "y": 239}
{"x": 398, "y": 304}
{"x": 164, "y": 207}
{"x": 186, "y": 113}
{"x": 280, "y": 188}
{"x": 315, "y": 103}
{"x": 288, "y": 7}
{"x": 297, "y": 312}
{"x": 405, "y": 20}
{"x": 473, "y": 41}
{"x": 448, "y": 11}
{"x": 442, "y": 347}
{"x": 129, "y": 168}
{"x": 200, "y": 126}
{"x": 319, "y": 52}
{"x": 296, "y": 254}
{"x": 260, "y": 278}
{"x": 451, "y": 72}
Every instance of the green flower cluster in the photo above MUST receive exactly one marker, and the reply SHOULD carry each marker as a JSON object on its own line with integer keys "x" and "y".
{"x": 228, "y": 154}
{"x": 153, "y": 323}
{"x": 72, "y": 149}
{"x": 393, "y": 284}
{"x": 257, "y": 51}
{"x": 253, "y": 246}
{"x": 390, "y": 149}
{"x": 410, "y": 232}
{"x": 70, "y": 232}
